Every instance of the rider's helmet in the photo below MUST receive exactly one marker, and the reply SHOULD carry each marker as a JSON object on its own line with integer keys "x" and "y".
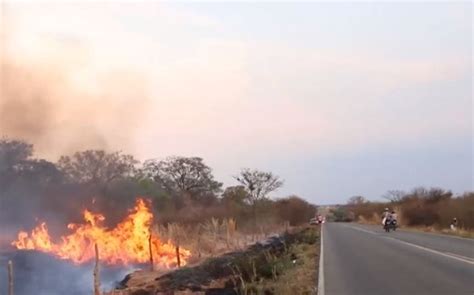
{"x": 386, "y": 209}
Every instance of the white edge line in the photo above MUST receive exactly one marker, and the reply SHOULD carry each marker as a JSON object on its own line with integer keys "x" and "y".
{"x": 460, "y": 256}
{"x": 434, "y": 251}
{"x": 363, "y": 230}
{"x": 450, "y": 255}
{"x": 321, "y": 264}
{"x": 437, "y": 234}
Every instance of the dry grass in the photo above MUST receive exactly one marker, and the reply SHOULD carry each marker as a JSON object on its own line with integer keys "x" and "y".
{"x": 283, "y": 265}
{"x": 302, "y": 278}
{"x": 294, "y": 272}
{"x": 215, "y": 236}
{"x": 363, "y": 220}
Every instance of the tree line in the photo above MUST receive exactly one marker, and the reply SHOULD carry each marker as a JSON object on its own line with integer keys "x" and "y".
{"x": 182, "y": 189}
{"x": 426, "y": 207}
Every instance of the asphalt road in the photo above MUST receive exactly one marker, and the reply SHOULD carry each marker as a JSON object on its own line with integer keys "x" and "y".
{"x": 364, "y": 260}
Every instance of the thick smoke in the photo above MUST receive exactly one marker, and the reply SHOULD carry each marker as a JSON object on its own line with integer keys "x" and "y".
{"x": 62, "y": 100}
{"x": 41, "y": 274}
{"x": 56, "y": 94}
{"x": 62, "y": 104}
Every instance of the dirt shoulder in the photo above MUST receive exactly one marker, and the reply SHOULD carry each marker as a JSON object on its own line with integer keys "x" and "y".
{"x": 281, "y": 265}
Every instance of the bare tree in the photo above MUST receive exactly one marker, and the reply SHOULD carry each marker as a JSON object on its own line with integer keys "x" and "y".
{"x": 97, "y": 167}
{"x": 258, "y": 183}
{"x": 394, "y": 196}
{"x": 356, "y": 200}
{"x": 183, "y": 175}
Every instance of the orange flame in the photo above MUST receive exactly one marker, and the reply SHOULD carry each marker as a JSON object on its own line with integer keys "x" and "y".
{"x": 127, "y": 243}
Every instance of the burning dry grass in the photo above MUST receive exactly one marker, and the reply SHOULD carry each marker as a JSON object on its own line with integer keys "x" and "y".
{"x": 206, "y": 240}
{"x": 276, "y": 266}
{"x": 130, "y": 242}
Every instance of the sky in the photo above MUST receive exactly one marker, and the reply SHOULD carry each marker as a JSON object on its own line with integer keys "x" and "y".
{"x": 339, "y": 99}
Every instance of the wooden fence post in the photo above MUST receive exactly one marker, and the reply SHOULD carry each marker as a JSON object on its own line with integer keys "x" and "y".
{"x": 10, "y": 277}
{"x": 178, "y": 259}
{"x": 150, "y": 249}
{"x": 96, "y": 272}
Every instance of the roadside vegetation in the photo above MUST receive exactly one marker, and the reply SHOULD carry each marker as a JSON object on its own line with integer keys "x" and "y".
{"x": 183, "y": 191}
{"x": 286, "y": 264}
{"x": 430, "y": 210}
{"x": 191, "y": 208}
{"x": 298, "y": 267}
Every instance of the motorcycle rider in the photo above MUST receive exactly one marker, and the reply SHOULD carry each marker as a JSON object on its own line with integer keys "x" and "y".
{"x": 393, "y": 215}
{"x": 393, "y": 219}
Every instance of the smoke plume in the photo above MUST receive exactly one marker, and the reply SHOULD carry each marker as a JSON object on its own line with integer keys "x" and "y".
{"x": 62, "y": 103}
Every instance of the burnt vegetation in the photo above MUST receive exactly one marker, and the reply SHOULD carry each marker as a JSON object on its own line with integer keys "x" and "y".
{"x": 280, "y": 265}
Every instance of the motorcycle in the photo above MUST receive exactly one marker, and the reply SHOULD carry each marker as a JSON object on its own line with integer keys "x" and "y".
{"x": 390, "y": 224}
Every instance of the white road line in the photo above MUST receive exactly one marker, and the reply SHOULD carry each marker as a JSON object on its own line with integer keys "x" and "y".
{"x": 321, "y": 265}
{"x": 456, "y": 257}
{"x": 445, "y": 254}
{"x": 361, "y": 229}
{"x": 437, "y": 235}
{"x": 460, "y": 256}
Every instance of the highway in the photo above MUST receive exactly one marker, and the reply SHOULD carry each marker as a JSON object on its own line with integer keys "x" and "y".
{"x": 364, "y": 260}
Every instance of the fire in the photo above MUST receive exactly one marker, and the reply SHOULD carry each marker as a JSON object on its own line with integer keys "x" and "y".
{"x": 128, "y": 243}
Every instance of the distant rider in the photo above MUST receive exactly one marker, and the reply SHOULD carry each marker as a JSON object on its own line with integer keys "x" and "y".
{"x": 454, "y": 224}
{"x": 393, "y": 215}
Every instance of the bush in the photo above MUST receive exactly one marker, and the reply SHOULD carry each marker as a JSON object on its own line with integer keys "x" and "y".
{"x": 341, "y": 214}
{"x": 421, "y": 207}
{"x": 294, "y": 210}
